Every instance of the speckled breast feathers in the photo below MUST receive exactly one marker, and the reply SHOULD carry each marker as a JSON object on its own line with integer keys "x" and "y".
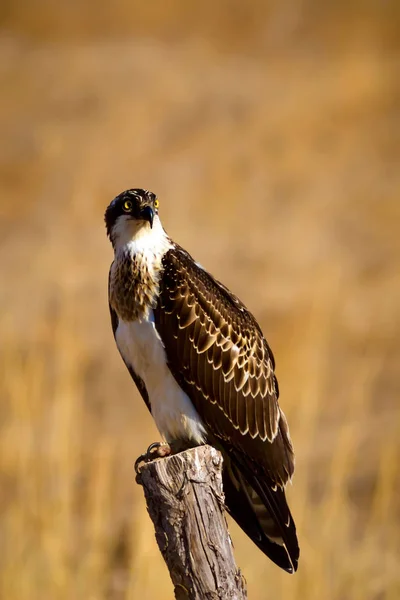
{"x": 134, "y": 284}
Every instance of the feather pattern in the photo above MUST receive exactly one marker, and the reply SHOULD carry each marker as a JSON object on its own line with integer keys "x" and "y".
{"x": 221, "y": 344}
{"x": 203, "y": 367}
{"x": 221, "y": 360}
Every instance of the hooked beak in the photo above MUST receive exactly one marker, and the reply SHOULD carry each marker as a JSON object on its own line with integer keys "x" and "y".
{"x": 147, "y": 214}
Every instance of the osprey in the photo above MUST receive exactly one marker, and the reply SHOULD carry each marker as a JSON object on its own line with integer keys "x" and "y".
{"x": 203, "y": 368}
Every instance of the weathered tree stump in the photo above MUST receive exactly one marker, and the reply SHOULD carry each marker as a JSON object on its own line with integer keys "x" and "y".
{"x": 185, "y": 501}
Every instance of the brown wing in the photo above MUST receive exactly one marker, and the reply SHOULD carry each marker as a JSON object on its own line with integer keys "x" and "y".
{"x": 217, "y": 352}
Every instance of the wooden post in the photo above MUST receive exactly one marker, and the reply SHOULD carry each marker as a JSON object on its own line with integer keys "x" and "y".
{"x": 186, "y": 504}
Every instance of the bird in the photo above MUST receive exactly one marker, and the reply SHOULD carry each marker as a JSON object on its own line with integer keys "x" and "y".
{"x": 203, "y": 367}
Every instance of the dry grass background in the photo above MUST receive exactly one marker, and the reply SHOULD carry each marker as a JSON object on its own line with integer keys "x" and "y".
{"x": 271, "y": 133}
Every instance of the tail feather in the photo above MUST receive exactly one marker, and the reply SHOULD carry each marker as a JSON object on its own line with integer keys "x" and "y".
{"x": 261, "y": 510}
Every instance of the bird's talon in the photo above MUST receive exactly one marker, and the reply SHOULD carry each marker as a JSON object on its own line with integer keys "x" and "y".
{"x": 140, "y": 459}
{"x": 155, "y": 450}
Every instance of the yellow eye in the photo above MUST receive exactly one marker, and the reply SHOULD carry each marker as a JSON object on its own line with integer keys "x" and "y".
{"x": 156, "y": 203}
{"x": 127, "y": 205}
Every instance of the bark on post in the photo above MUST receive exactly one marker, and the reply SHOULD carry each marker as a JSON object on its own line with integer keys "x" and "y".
{"x": 186, "y": 504}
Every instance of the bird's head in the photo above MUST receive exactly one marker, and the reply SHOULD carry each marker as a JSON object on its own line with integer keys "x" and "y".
{"x": 131, "y": 214}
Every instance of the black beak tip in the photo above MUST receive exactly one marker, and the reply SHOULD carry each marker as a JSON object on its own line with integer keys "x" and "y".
{"x": 147, "y": 214}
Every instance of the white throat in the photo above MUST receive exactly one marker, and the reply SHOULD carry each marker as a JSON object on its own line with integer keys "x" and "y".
{"x": 138, "y": 238}
{"x": 137, "y": 338}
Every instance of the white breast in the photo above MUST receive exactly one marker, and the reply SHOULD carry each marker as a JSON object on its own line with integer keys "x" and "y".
{"x": 141, "y": 347}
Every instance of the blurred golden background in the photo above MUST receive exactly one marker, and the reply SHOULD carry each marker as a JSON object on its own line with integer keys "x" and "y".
{"x": 271, "y": 133}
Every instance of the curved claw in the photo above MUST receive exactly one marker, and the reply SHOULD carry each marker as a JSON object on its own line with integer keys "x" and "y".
{"x": 155, "y": 450}
{"x": 140, "y": 459}
{"x": 154, "y": 446}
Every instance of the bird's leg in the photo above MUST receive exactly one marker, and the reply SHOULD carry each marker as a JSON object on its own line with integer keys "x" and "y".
{"x": 155, "y": 450}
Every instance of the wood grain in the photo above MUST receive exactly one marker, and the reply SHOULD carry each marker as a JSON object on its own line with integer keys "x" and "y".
{"x": 185, "y": 501}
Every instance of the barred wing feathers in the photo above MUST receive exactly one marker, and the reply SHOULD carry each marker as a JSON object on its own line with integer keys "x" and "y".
{"x": 217, "y": 353}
